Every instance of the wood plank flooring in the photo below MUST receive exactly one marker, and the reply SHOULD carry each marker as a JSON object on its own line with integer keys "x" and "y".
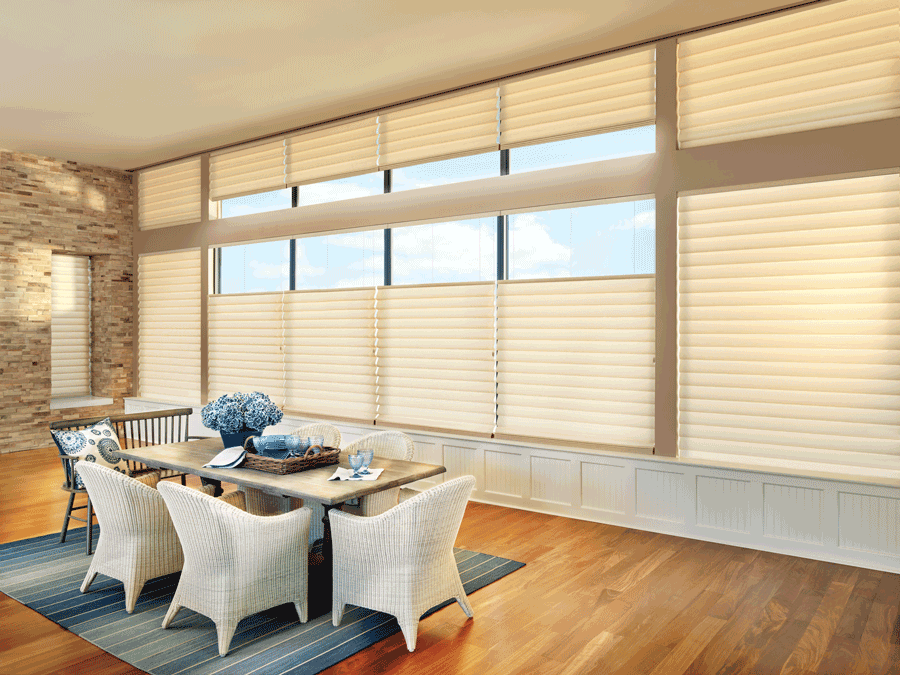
{"x": 592, "y": 599}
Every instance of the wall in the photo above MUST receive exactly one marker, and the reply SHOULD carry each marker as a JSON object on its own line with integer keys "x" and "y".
{"x": 50, "y": 206}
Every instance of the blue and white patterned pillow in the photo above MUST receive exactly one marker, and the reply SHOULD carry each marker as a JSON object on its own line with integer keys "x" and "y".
{"x": 98, "y": 443}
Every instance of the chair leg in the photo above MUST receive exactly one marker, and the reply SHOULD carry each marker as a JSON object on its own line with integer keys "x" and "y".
{"x": 90, "y": 526}
{"x": 65, "y": 527}
{"x": 337, "y": 611}
{"x": 463, "y": 600}
{"x": 409, "y": 626}
{"x": 132, "y": 591}
{"x": 225, "y": 632}
{"x": 88, "y": 579}
{"x": 174, "y": 608}
{"x": 302, "y": 609}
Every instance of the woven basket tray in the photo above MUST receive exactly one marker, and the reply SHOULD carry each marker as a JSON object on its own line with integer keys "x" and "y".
{"x": 310, "y": 460}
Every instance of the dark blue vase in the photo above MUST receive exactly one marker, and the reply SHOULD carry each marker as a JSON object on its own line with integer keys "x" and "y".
{"x": 239, "y": 437}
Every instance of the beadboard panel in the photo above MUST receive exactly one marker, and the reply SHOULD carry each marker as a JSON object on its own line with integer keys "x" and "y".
{"x": 551, "y": 479}
{"x": 429, "y": 453}
{"x": 793, "y": 512}
{"x": 603, "y": 487}
{"x": 658, "y": 495}
{"x": 723, "y": 504}
{"x": 848, "y": 522}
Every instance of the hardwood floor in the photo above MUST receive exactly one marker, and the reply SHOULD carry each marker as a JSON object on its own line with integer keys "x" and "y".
{"x": 592, "y": 599}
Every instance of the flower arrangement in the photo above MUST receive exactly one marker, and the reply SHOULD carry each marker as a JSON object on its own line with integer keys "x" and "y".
{"x": 231, "y": 414}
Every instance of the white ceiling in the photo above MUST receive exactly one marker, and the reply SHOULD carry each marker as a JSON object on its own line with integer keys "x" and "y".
{"x": 127, "y": 83}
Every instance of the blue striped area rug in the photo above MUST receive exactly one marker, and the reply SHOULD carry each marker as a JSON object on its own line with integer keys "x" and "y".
{"x": 46, "y": 576}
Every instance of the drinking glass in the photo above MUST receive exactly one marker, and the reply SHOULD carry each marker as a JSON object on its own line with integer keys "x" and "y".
{"x": 368, "y": 455}
{"x": 356, "y": 462}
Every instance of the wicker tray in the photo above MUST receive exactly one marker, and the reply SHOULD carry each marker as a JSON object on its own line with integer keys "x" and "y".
{"x": 310, "y": 460}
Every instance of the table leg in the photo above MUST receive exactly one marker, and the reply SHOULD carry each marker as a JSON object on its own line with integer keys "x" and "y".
{"x": 320, "y": 566}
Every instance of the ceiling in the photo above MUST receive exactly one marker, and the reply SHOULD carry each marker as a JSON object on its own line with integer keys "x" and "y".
{"x": 129, "y": 84}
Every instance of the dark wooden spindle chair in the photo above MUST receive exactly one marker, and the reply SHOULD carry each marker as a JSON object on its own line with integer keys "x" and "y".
{"x": 134, "y": 430}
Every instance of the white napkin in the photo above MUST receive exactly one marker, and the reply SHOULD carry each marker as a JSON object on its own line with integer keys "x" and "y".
{"x": 227, "y": 459}
{"x": 347, "y": 474}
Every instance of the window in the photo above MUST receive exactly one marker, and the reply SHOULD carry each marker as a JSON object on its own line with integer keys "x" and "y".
{"x": 253, "y": 268}
{"x": 601, "y": 240}
{"x": 169, "y": 327}
{"x": 454, "y": 252}
{"x": 444, "y": 172}
{"x": 255, "y": 203}
{"x": 788, "y": 336}
{"x": 340, "y": 189}
{"x": 70, "y": 326}
{"x": 624, "y": 143}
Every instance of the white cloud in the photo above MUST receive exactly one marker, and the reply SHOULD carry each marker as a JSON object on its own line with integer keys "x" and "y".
{"x": 320, "y": 193}
{"x": 446, "y": 248}
{"x": 531, "y": 245}
{"x": 641, "y": 221}
{"x": 261, "y": 270}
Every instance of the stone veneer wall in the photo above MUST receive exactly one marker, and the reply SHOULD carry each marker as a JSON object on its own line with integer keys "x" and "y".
{"x": 50, "y": 206}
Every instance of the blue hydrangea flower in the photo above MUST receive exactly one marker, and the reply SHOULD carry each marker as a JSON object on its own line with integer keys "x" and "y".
{"x": 231, "y": 414}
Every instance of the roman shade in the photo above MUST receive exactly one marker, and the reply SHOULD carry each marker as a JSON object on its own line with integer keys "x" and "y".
{"x": 602, "y": 95}
{"x": 169, "y": 195}
{"x": 829, "y": 64}
{"x": 789, "y": 321}
{"x": 324, "y": 153}
{"x": 450, "y": 126}
{"x": 436, "y": 356}
{"x": 246, "y": 337}
{"x": 575, "y": 359}
{"x": 70, "y": 325}
{"x": 328, "y": 153}
{"x": 251, "y": 168}
{"x": 330, "y": 353}
{"x": 169, "y": 327}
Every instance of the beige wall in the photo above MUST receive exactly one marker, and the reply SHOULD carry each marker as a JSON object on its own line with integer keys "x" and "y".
{"x": 50, "y": 206}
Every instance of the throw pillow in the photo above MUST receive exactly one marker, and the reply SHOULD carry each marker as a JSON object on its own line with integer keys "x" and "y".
{"x": 98, "y": 443}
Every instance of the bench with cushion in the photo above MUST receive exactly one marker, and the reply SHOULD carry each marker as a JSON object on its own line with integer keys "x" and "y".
{"x": 133, "y": 430}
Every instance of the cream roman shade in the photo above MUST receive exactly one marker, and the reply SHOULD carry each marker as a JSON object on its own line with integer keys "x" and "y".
{"x": 70, "y": 326}
{"x": 789, "y": 321}
{"x": 830, "y": 64}
{"x": 450, "y": 126}
{"x": 576, "y": 360}
{"x": 169, "y": 327}
{"x": 169, "y": 195}
{"x": 330, "y": 353}
{"x": 332, "y": 152}
{"x": 604, "y": 94}
{"x": 246, "y": 335}
{"x": 436, "y": 356}
{"x": 251, "y": 168}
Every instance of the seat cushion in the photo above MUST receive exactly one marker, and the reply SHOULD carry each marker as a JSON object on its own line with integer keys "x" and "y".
{"x": 97, "y": 443}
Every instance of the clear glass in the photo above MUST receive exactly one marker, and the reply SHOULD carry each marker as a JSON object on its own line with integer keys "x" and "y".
{"x": 351, "y": 260}
{"x": 446, "y": 171}
{"x": 356, "y": 462}
{"x": 451, "y": 252}
{"x": 255, "y": 268}
{"x": 260, "y": 203}
{"x": 368, "y": 456}
{"x": 341, "y": 189}
{"x": 600, "y": 240}
{"x": 613, "y": 144}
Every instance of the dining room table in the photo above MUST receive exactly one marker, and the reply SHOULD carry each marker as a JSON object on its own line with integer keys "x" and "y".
{"x": 312, "y": 484}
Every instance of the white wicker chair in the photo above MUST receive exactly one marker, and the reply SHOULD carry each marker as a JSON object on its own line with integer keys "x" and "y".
{"x": 235, "y": 563}
{"x": 401, "y": 562}
{"x": 332, "y": 440}
{"x": 387, "y": 445}
{"x": 137, "y": 539}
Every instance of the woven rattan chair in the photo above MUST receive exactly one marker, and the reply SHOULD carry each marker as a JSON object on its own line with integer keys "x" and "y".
{"x": 387, "y": 445}
{"x": 401, "y": 562}
{"x": 235, "y": 563}
{"x": 137, "y": 539}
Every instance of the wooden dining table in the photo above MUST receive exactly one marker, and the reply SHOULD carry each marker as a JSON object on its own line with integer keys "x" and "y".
{"x": 313, "y": 484}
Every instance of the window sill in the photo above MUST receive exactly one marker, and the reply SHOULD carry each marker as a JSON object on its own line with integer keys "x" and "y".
{"x": 79, "y": 402}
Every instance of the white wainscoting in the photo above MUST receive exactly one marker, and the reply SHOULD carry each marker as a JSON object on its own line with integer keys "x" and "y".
{"x": 849, "y": 522}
